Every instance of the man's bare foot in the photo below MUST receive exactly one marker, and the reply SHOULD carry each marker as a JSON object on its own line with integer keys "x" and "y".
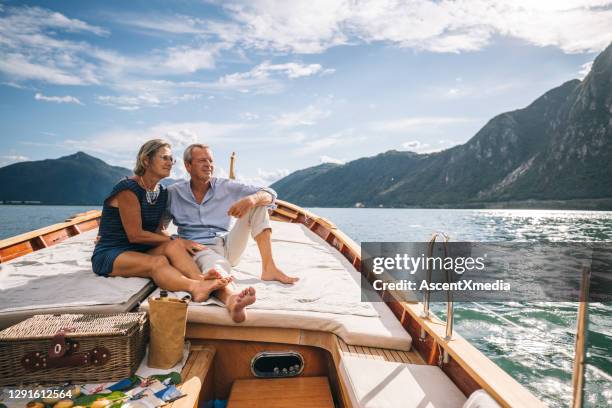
{"x": 204, "y": 288}
{"x": 273, "y": 273}
{"x": 212, "y": 273}
{"x": 238, "y": 302}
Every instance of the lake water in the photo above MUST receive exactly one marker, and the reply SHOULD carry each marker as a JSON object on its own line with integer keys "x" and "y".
{"x": 533, "y": 342}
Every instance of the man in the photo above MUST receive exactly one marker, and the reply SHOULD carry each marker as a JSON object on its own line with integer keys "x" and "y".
{"x": 202, "y": 208}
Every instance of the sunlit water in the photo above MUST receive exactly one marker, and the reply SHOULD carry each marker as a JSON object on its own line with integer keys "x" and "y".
{"x": 533, "y": 342}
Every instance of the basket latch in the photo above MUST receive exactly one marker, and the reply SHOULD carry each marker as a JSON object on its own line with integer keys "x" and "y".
{"x": 59, "y": 346}
{"x": 64, "y": 353}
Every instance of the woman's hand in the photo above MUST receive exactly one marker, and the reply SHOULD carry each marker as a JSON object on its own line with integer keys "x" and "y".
{"x": 191, "y": 246}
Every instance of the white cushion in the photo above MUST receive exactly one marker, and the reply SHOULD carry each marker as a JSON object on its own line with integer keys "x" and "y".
{"x": 59, "y": 279}
{"x": 481, "y": 399}
{"x": 328, "y": 296}
{"x": 384, "y": 384}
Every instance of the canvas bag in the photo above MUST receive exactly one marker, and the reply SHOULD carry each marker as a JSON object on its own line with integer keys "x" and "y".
{"x": 168, "y": 321}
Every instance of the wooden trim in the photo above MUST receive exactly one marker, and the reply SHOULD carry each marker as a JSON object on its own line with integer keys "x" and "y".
{"x": 14, "y": 247}
{"x": 195, "y": 375}
{"x": 328, "y": 341}
{"x": 580, "y": 343}
{"x": 298, "y": 392}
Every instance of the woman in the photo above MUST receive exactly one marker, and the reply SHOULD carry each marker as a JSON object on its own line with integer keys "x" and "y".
{"x": 130, "y": 239}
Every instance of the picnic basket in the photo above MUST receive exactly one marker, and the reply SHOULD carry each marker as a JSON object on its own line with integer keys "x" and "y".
{"x": 81, "y": 348}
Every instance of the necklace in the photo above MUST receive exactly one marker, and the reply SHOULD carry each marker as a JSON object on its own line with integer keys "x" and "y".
{"x": 151, "y": 194}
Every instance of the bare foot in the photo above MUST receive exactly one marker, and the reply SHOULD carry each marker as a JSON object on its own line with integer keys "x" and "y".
{"x": 212, "y": 273}
{"x": 238, "y": 302}
{"x": 273, "y": 273}
{"x": 204, "y": 288}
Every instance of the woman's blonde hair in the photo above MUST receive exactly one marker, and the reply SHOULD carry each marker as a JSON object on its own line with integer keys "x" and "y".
{"x": 147, "y": 151}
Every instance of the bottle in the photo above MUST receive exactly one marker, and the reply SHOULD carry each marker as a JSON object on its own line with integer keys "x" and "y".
{"x": 163, "y": 295}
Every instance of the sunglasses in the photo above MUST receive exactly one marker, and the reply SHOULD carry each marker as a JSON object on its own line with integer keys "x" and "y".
{"x": 168, "y": 158}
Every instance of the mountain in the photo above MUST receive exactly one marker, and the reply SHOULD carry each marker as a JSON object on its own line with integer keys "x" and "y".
{"x": 78, "y": 179}
{"x": 557, "y": 148}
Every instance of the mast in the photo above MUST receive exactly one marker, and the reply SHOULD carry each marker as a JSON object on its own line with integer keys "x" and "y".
{"x": 232, "y": 174}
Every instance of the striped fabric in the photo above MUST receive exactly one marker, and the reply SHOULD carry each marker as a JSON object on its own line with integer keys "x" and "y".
{"x": 113, "y": 238}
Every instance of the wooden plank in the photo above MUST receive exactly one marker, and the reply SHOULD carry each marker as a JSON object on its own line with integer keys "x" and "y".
{"x": 45, "y": 230}
{"x": 14, "y": 247}
{"x": 289, "y": 214}
{"x": 264, "y": 334}
{"x": 352, "y": 349}
{"x": 377, "y": 354}
{"x": 388, "y": 355}
{"x": 299, "y": 392}
{"x": 193, "y": 376}
{"x": 15, "y": 251}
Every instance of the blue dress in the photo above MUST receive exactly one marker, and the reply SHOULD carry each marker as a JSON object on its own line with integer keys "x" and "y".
{"x": 113, "y": 240}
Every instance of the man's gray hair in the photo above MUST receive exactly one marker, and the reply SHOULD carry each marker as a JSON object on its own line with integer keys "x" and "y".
{"x": 189, "y": 150}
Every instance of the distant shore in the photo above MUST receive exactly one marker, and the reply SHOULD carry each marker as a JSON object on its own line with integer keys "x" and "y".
{"x": 583, "y": 204}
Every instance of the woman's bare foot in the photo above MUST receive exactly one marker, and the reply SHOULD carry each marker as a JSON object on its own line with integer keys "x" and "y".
{"x": 212, "y": 273}
{"x": 238, "y": 302}
{"x": 204, "y": 288}
{"x": 272, "y": 273}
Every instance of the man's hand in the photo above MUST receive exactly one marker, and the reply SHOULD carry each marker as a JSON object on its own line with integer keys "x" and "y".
{"x": 241, "y": 207}
{"x": 191, "y": 246}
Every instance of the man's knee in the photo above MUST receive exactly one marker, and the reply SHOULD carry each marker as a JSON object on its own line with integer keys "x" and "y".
{"x": 260, "y": 210}
{"x": 260, "y": 221}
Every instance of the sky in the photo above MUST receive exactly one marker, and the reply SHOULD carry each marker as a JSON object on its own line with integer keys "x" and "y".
{"x": 285, "y": 84}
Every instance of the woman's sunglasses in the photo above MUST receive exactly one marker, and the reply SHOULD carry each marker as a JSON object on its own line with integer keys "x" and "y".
{"x": 168, "y": 158}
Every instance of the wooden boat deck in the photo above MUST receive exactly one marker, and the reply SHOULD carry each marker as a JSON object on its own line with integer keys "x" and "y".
{"x": 467, "y": 367}
{"x": 373, "y": 353}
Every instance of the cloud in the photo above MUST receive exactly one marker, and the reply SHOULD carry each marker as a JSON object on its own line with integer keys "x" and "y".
{"x": 57, "y": 99}
{"x": 415, "y": 146}
{"x": 309, "y": 145}
{"x": 250, "y": 116}
{"x": 264, "y": 78}
{"x": 420, "y": 147}
{"x": 263, "y": 177}
{"x": 12, "y": 158}
{"x": 292, "y": 69}
{"x": 312, "y": 26}
{"x": 308, "y": 116}
{"x": 32, "y": 51}
{"x": 585, "y": 69}
{"x": 18, "y": 67}
{"x": 176, "y": 24}
{"x": 136, "y": 102}
{"x": 34, "y": 47}
{"x": 416, "y": 123}
{"x": 328, "y": 159}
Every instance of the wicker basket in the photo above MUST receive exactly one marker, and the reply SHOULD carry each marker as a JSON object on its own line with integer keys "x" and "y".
{"x": 72, "y": 347}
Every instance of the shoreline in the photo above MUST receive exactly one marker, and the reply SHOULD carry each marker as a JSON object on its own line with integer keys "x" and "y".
{"x": 579, "y": 204}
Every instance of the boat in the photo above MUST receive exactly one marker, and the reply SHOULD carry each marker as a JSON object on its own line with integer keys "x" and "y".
{"x": 418, "y": 362}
